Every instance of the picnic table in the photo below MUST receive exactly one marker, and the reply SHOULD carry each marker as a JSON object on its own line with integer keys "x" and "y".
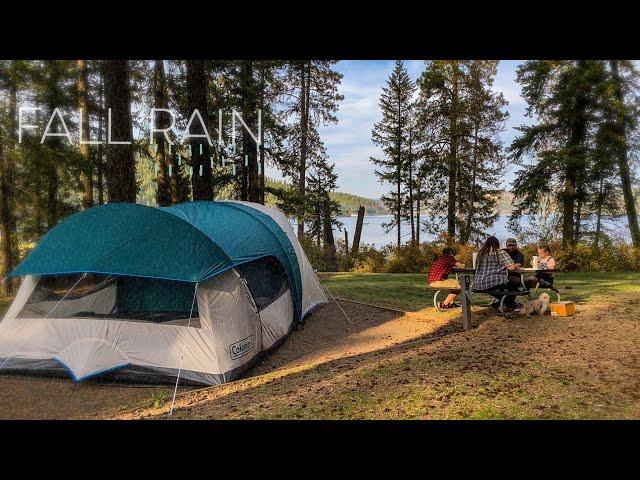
{"x": 524, "y": 271}
{"x": 524, "y": 291}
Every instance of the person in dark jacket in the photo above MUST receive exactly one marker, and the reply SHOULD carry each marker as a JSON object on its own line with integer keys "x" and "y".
{"x": 518, "y": 259}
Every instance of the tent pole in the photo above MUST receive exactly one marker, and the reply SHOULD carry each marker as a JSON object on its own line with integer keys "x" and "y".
{"x": 175, "y": 390}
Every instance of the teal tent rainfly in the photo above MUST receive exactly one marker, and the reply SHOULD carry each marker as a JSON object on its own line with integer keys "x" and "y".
{"x": 122, "y": 286}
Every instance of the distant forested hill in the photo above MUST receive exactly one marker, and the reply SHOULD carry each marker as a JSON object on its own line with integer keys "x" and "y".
{"x": 349, "y": 203}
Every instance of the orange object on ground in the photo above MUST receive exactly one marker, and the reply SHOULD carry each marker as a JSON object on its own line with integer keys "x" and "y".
{"x": 563, "y": 309}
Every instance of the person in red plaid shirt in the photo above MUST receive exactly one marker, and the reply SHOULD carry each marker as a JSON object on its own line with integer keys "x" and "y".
{"x": 438, "y": 273}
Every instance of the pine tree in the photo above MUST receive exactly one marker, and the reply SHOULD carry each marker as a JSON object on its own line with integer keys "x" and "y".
{"x": 86, "y": 171}
{"x": 11, "y": 79}
{"x": 161, "y": 100}
{"x": 389, "y": 135}
{"x": 321, "y": 182}
{"x": 563, "y": 97}
{"x": 313, "y": 90}
{"x": 623, "y": 121}
{"x": 444, "y": 126}
{"x": 483, "y": 164}
{"x": 120, "y": 175}
{"x": 201, "y": 178}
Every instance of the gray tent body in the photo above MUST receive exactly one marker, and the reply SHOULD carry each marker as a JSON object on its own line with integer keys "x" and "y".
{"x": 234, "y": 317}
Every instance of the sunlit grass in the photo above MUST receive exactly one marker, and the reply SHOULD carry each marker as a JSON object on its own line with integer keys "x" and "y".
{"x": 407, "y": 291}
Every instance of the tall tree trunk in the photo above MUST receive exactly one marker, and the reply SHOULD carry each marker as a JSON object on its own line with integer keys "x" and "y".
{"x": 305, "y": 75}
{"x": 329, "y": 243}
{"x": 262, "y": 166}
{"x": 86, "y": 173}
{"x": 418, "y": 198}
{"x": 201, "y": 180}
{"x": 249, "y": 102}
{"x": 453, "y": 155}
{"x": 7, "y": 188}
{"x": 596, "y": 243}
{"x": 399, "y": 174}
{"x": 5, "y": 221}
{"x": 464, "y": 238}
{"x": 101, "y": 148}
{"x": 356, "y": 236}
{"x": 120, "y": 168}
{"x": 410, "y": 160}
{"x": 51, "y": 166}
{"x": 623, "y": 163}
{"x": 573, "y": 164}
{"x": 160, "y": 100}
{"x": 568, "y": 203}
{"x": 578, "y": 225}
{"x": 262, "y": 129}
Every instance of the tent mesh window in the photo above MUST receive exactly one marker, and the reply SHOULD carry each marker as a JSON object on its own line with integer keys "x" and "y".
{"x": 95, "y": 296}
{"x": 266, "y": 280}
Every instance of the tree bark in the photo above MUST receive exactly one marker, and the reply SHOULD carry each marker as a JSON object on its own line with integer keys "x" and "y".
{"x": 201, "y": 180}
{"x": 262, "y": 109}
{"x": 453, "y": 155}
{"x": 7, "y": 189}
{"x": 305, "y": 74}
{"x": 596, "y": 243}
{"x": 160, "y": 100}
{"x": 249, "y": 102}
{"x": 86, "y": 173}
{"x": 120, "y": 168}
{"x": 410, "y": 160}
{"x": 329, "y": 243}
{"x": 51, "y": 166}
{"x": 356, "y": 236}
{"x": 101, "y": 148}
{"x": 399, "y": 174}
{"x": 578, "y": 225}
{"x": 418, "y": 198}
{"x": 5, "y": 222}
{"x": 623, "y": 163}
{"x": 262, "y": 166}
{"x": 464, "y": 237}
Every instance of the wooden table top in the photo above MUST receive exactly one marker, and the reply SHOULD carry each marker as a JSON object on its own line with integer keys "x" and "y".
{"x": 518, "y": 270}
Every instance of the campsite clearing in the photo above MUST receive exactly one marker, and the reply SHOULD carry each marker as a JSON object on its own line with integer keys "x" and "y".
{"x": 392, "y": 365}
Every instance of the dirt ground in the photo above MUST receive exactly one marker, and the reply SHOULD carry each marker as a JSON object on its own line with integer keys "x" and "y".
{"x": 389, "y": 364}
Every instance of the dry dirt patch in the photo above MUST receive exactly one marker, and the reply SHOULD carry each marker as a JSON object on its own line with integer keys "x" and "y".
{"x": 392, "y": 365}
{"x": 423, "y": 366}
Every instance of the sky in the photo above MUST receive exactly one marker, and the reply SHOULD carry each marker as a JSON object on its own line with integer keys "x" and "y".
{"x": 349, "y": 141}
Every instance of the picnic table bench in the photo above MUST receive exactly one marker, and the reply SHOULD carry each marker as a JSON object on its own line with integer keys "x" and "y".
{"x": 524, "y": 291}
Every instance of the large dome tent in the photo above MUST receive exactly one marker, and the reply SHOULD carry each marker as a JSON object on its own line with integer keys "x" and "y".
{"x": 201, "y": 287}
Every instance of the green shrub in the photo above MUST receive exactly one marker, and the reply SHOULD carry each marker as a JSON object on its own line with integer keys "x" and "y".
{"x": 369, "y": 260}
{"x": 610, "y": 256}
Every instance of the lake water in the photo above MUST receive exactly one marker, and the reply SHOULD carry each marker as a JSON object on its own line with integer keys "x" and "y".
{"x": 373, "y": 232}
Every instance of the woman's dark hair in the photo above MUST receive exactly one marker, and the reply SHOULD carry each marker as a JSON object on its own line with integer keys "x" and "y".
{"x": 491, "y": 246}
{"x": 546, "y": 248}
{"x": 447, "y": 251}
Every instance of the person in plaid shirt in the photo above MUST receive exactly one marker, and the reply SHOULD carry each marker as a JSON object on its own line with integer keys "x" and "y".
{"x": 438, "y": 273}
{"x": 492, "y": 270}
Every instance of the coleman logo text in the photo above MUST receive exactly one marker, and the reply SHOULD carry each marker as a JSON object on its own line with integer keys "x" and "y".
{"x": 241, "y": 347}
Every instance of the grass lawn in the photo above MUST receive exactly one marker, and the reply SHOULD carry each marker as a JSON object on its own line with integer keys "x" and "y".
{"x": 407, "y": 291}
